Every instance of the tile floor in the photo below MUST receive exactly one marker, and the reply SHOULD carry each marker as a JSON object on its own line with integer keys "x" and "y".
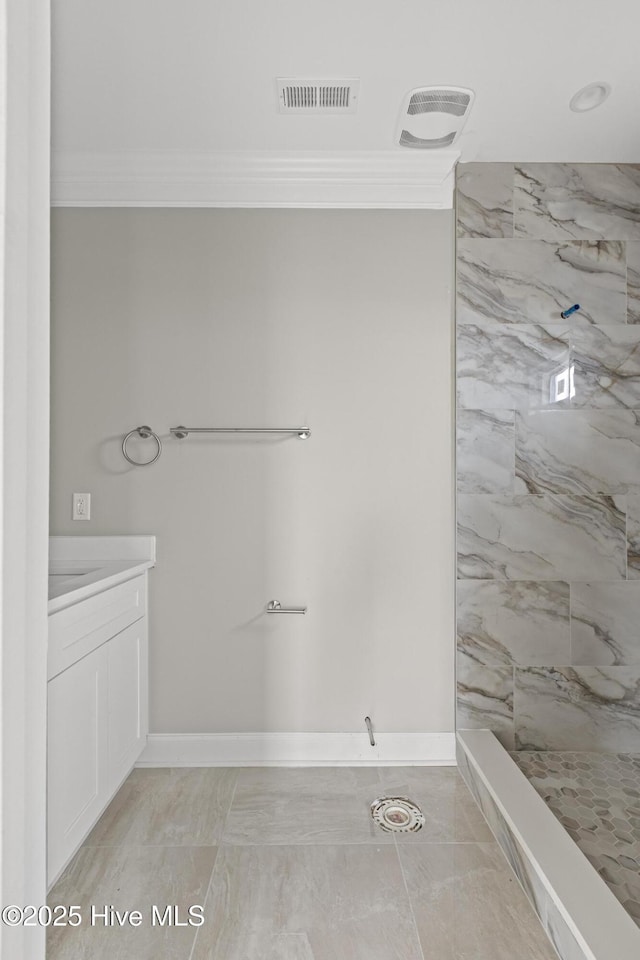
{"x": 289, "y": 866}
{"x": 596, "y": 797}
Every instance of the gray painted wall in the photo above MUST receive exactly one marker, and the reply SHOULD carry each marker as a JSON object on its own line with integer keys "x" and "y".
{"x": 549, "y": 473}
{"x": 338, "y": 319}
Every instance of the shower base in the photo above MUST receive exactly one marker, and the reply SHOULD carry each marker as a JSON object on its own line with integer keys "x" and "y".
{"x": 596, "y": 798}
{"x": 571, "y": 889}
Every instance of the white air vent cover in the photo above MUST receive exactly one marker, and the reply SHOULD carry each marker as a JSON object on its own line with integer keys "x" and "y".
{"x": 313, "y": 95}
{"x": 432, "y": 117}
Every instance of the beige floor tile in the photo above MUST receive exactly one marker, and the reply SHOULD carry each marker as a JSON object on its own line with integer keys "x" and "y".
{"x": 310, "y": 805}
{"x": 468, "y": 905}
{"x": 168, "y": 806}
{"x": 307, "y": 902}
{"x": 134, "y": 878}
{"x": 451, "y": 813}
{"x": 303, "y": 873}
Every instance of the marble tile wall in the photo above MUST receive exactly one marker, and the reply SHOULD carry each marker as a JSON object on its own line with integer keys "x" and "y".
{"x": 548, "y": 454}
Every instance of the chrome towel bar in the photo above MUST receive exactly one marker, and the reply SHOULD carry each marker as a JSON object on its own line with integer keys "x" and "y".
{"x": 181, "y": 432}
{"x": 274, "y": 606}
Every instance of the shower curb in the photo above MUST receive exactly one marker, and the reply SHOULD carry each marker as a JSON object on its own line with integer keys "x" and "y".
{"x": 581, "y": 916}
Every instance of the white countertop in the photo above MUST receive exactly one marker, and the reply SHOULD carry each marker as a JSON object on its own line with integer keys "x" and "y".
{"x": 80, "y": 567}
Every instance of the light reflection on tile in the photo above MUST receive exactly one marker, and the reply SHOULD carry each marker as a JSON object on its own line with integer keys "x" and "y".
{"x": 505, "y": 366}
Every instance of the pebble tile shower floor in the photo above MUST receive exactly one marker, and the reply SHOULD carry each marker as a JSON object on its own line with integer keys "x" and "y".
{"x": 596, "y": 797}
{"x": 289, "y": 866}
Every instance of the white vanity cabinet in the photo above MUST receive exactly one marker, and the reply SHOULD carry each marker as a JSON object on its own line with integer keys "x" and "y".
{"x": 97, "y": 709}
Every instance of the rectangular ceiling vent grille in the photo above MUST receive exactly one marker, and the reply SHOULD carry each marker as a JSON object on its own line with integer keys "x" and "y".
{"x": 304, "y": 95}
{"x": 440, "y": 101}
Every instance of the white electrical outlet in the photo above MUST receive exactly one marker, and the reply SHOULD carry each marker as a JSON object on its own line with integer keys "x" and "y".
{"x": 81, "y": 506}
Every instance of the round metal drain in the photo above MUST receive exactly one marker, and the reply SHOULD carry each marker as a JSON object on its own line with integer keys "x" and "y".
{"x": 397, "y": 815}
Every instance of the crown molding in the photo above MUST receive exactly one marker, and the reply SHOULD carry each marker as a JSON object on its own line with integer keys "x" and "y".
{"x": 167, "y": 178}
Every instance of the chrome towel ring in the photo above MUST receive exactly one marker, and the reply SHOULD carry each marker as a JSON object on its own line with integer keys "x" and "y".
{"x": 145, "y": 433}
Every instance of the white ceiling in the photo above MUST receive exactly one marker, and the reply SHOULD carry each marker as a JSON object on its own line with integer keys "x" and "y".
{"x": 174, "y": 102}
{"x": 199, "y": 75}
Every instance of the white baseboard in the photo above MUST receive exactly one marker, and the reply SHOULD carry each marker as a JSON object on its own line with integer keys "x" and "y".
{"x": 297, "y": 750}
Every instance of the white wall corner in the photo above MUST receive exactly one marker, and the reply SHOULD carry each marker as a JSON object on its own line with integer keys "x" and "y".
{"x": 398, "y": 179}
{"x": 297, "y": 750}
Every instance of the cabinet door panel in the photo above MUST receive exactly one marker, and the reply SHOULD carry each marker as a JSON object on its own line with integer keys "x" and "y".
{"x": 126, "y": 727}
{"x": 76, "y": 748}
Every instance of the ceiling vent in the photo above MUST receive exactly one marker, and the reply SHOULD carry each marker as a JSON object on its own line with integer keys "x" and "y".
{"x": 313, "y": 95}
{"x": 432, "y": 117}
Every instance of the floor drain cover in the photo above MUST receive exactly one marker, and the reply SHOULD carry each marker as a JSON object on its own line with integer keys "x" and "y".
{"x": 397, "y": 815}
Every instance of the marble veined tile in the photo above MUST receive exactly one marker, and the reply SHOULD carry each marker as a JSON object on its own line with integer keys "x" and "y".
{"x": 485, "y": 451}
{"x": 484, "y": 199}
{"x": 347, "y": 902}
{"x": 578, "y": 451}
{"x": 607, "y": 366}
{"x": 531, "y": 281}
{"x": 170, "y": 805}
{"x": 502, "y": 366}
{"x": 633, "y": 537}
{"x": 484, "y": 697}
{"x": 505, "y": 622}
{"x": 318, "y": 805}
{"x": 466, "y": 904}
{"x": 579, "y": 201}
{"x": 577, "y": 708}
{"x": 633, "y": 282}
{"x": 548, "y": 537}
{"x": 130, "y": 878}
{"x": 605, "y": 623}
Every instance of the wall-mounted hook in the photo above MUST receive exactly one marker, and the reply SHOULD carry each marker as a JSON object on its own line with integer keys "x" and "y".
{"x": 274, "y": 606}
